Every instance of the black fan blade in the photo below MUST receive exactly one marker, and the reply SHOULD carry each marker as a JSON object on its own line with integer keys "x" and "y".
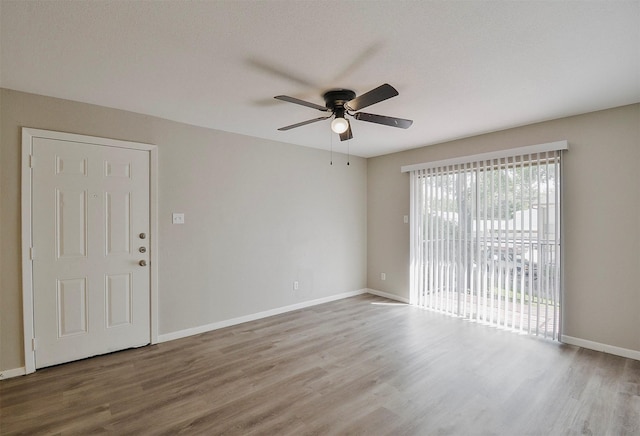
{"x": 374, "y": 96}
{"x": 301, "y": 102}
{"x": 304, "y": 123}
{"x": 347, "y": 134}
{"x": 381, "y": 119}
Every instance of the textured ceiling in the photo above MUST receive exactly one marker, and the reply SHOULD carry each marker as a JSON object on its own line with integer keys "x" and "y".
{"x": 461, "y": 68}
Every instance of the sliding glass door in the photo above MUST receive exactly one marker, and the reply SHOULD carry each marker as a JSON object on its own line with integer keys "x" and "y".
{"x": 486, "y": 241}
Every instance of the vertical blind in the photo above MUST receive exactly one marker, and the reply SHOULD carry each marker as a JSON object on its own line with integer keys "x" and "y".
{"x": 486, "y": 240}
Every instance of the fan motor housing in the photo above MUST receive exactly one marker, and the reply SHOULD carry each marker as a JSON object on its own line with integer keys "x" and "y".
{"x": 336, "y": 98}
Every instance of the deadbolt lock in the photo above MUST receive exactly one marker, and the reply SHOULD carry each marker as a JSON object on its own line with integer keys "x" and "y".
{"x": 143, "y": 235}
{"x": 142, "y": 249}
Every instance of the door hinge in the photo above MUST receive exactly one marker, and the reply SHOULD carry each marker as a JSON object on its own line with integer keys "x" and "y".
{"x": 32, "y": 161}
{"x": 32, "y": 253}
{"x": 33, "y": 344}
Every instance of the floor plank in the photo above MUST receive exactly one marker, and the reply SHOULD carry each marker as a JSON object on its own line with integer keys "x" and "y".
{"x": 363, "y": 365}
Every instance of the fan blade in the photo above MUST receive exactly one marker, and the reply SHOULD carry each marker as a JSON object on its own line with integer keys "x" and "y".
{"x": 374, "y": 96}
{"x": 347, "y": 134}
{"x": 281, "y": 72}
{"x": 304, "y": 123}
{"x": 381, "y": 119}
{"x": 301, "y": 102}
{"x": 357, "y": 62}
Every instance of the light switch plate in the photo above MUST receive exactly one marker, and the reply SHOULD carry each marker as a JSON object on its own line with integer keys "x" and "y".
{"x": 178, "y": 218}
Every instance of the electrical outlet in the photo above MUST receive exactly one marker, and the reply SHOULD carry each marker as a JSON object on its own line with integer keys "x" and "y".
{"x": 296, "y": 285}
{"x": 406, "y": 219}
{"x": 383, "y": 276}
{"x": 178, "y": 218}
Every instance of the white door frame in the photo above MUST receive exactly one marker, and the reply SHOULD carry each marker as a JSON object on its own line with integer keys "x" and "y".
{"x": 28, "y": 135}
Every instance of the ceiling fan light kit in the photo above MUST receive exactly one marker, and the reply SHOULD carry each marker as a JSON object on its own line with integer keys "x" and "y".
{"x": 339, "y": 125}
{"x": 343, "y": 102}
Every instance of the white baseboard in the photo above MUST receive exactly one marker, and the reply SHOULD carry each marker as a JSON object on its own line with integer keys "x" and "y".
{"x": 255, "y": 316}
{"x": 388, "y": 295}
{"x": 10, "y": 373}
{"x": 597, "y": 346}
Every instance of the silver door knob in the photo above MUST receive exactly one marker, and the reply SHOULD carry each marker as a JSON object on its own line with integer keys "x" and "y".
{"x": 142, "y": 263}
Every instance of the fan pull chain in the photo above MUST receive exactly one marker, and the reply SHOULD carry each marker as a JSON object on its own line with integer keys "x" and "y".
{"x": 331, "y": 140}
{"x": 348, "y": 153}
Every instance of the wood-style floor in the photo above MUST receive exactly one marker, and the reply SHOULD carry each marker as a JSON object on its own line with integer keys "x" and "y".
{"x": 363, "y": 365}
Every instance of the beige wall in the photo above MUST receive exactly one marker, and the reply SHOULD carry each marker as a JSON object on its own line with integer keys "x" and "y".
{"x": 259, "y": 215}
{"x": 601, "y": 217}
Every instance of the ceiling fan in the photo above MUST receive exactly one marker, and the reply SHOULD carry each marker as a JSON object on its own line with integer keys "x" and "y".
{"x": 343, "y": 102}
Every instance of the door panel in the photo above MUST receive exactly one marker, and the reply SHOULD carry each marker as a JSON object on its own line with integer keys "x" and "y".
{"x": 118, "y": 219}
{"x": 71, "y": 223}
{"x": 72, "y": 306}
{"x": 119, "y": 301}
{"x": 90, "y": 203}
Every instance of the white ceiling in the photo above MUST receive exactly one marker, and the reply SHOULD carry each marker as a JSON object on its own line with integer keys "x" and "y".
{"x": 461, "y": 68}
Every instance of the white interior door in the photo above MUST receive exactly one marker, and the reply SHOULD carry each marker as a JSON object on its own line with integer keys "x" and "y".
{"x": 90, "y": 226}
